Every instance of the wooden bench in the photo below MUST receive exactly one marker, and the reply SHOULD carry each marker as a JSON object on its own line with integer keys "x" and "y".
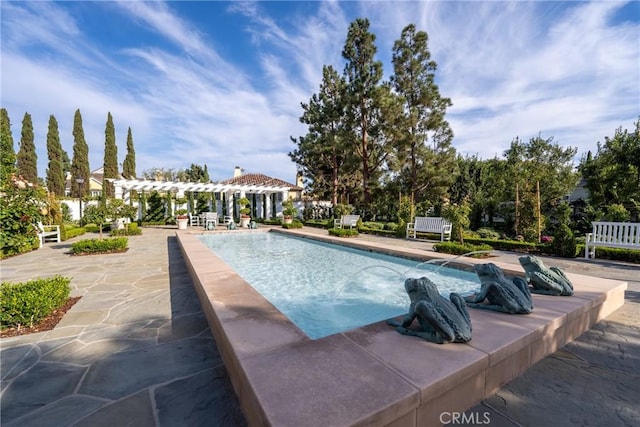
{"x": 425, "y": 224}
{"x": 48, "y": 232}
{"x": 624, "y": 235}
{"x": 346, "y": 221}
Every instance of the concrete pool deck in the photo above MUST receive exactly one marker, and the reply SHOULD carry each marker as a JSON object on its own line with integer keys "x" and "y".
{"x": 373, "y": 375}
{"x": 137, "y": 350}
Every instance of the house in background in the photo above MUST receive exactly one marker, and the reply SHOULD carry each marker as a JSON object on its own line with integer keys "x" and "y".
{"x": 95, "y": 183}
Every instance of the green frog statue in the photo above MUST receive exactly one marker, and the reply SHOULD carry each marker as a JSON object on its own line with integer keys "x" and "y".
{"x": 441, "y": 320}
{"x": 503, "y": 295}
{"x": 544, "y": 280}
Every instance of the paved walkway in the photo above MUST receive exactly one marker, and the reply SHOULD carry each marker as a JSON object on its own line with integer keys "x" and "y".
{"x": 136, "y": 350}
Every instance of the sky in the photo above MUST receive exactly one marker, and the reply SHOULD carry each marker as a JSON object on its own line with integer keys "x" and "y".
{"x": 220, "y": 83}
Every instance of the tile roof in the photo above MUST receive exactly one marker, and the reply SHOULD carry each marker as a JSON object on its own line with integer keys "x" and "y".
{"x": 259, "y": 179}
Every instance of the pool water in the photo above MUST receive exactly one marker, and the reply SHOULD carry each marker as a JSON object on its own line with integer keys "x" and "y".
{"x": 325, "y": 289}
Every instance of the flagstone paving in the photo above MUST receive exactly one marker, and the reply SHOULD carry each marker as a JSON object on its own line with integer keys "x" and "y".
{"x": 137, "y": 350}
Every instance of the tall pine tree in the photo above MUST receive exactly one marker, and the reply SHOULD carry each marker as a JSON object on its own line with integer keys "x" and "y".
{"x": 7, "y": 153}
{"x": 27, "y": 160}
{"x": 110, "y": 159}
{"x": 55, "y": 175}
{"x": 422, "y": 167}
{"x": 129, "y": 165}
{"x": 80, "y": 161}
{"x": 364, "y": 104}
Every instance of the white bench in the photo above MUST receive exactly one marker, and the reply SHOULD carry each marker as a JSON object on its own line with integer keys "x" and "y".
{"x": 346, "y": 221}
{"x": 47, "y": 232}
{"x": 425, "y": 224}
{"x": 624, "y": 235}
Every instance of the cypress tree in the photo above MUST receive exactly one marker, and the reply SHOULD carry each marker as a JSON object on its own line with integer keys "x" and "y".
{"x": 110, "y": 159}
{"x": 27, "y": 160}
{"x": 55, "y": 176}
{"x": 129, "y": 166}
{"x": 7, "y": 154}
{"x": 80, "y": 161}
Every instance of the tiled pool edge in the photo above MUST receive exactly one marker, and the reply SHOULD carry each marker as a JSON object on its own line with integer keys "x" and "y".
{"x": 373, "y": 375}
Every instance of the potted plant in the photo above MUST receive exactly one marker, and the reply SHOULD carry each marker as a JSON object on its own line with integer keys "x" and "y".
{"x": 288, "y": 211}
{"x": 182, "y": 219}
{"x": 245, "y": 212}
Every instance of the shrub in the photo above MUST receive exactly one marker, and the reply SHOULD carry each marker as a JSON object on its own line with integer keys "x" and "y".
{"x": 456, "y": 248}
{"x": 506, "y": 245}
{"x": 373, "y": 225}
{"x": 488, "y": 233}
{"x": 130, "y": 229}
{"x": 74, "y": 232}
{"x": 23, "y": 304}
{"x": 343, "y": 232}
{"x": 96, "y": 246}
{"x": 391, "y": 226}
{"x": 294, "y": 224}
{"x": 319, "y": 223}
{"x": 564, "y": 243}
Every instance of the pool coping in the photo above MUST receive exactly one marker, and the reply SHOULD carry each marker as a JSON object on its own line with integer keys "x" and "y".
{"x": 373, "y": 375}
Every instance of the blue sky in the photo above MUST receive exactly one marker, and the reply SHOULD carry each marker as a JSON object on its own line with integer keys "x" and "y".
{"x": 221, "y": 82}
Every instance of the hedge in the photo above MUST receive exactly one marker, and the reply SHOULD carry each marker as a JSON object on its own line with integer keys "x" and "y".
{"x": 92, "y": 246}
{"x": 456, "y": 248}
{"x": 294, "y": 224}
{"x": 507, "y": 245}
{"x": 73, "y": 232}
{"x": 130, "y": 229}
{"x": 343, "y": 232}
{"x": 26, "y": 303}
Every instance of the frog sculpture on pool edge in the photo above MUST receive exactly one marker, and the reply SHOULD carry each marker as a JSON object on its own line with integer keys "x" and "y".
{"x": 441, "y": 320}
{"x": 546, "y": 281}
{"x": 511, "y": 297}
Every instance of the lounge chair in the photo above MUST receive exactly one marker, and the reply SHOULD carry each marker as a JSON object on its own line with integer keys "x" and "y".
{"x": 47, "y": 232}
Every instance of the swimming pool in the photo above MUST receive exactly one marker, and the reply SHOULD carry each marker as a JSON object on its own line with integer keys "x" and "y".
{"x": 323, "y": 288}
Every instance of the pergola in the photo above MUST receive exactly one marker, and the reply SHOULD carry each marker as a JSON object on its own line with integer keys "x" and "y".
{"x": 123, "y": 188}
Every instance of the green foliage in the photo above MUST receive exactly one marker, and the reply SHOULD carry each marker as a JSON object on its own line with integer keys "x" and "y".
{"x": 617, "y": 213}
{"x": 7, "y": 152}
{"x": 294, "y": 224}
{"x": 24, "y": 304}
{"x": 401, "y": 229}
{"x": 456, "y": 248}
{"x": 130, "y": 229}
{"x": 155, "y": 212}
{"x": 26, "y": 159}
{"x": 373, "y": 225}
{"x": 21, "y": 210}
{"x": 129, "y": 165}
{"x": 80, "y": 161}
{"x": 507, "y": 245}
{"x": 341, "y": 209}
{"x": 616, "y": 254}
{"x": 98, "y": 246}
{"x": 458, "y": 215}
{"x": 287, "y": 208}
{"x": 318, "y": 223}
{"x": 70, "y": 233}
{"x": 169, "y": 212}
{"x": 110, "y": 157}
{"x": 392, "y": 226}
{"x": 343, "y": 232}
{"x": 488, "y": 233}
{"x": 564, "y": 242}
{"x": 613, "y": 174}
{"x": 244, "y": 206}
{"x": 55, "y": 172}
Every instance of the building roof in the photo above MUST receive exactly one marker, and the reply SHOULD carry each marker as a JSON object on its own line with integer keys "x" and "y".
{"x": 259, "y": 179}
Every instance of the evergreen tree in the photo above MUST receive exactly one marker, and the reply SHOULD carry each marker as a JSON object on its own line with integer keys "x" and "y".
{"x": 80, "y": 161}
{"x": 364, "y": 104}
{"x": 66, "y": 163}
{"x": 27, "y": 160}
{"x": 423, "y": 167}
{"x": 7, "y": 153}
{"x": 321, "y": 155}
{"x": 110, "y": 159}
{"x": 129, "y": 165}
{"x": 55, "y": 175}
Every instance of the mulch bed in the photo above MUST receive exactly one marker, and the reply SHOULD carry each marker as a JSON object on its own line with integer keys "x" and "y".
{"x": 46, "y": 324}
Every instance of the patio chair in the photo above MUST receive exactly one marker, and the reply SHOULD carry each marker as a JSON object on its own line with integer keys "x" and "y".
{"x": 210, "y": 220}
{"x": 194, "y": 220}
{"x": 47, "y": 232}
